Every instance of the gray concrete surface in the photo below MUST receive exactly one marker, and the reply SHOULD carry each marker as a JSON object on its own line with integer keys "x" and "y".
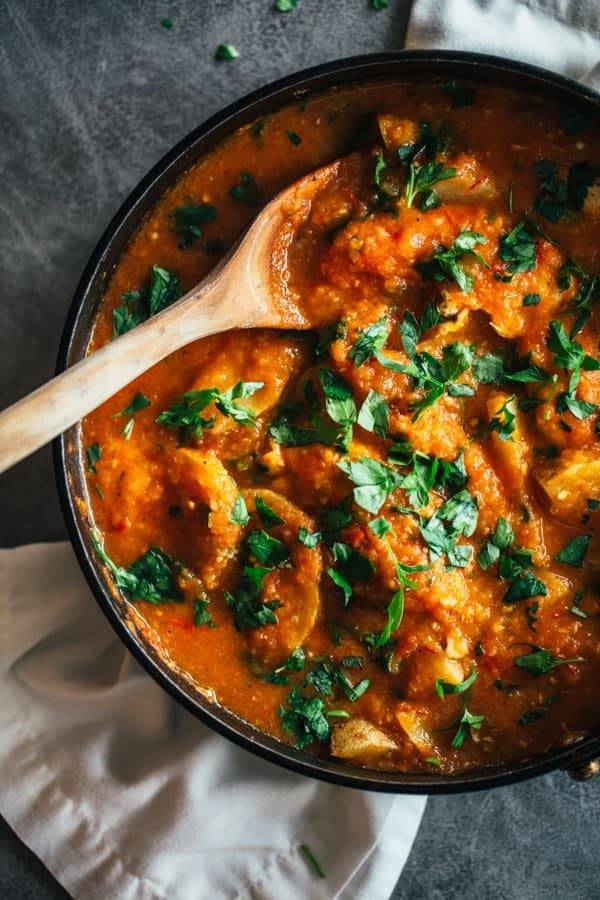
{"x": 93, "y": 93}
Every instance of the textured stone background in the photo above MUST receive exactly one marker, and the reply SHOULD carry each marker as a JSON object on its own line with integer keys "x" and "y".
{"x": 93, "y": 93}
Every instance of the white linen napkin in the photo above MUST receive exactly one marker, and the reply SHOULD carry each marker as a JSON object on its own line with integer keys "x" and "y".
{"x": 123, "y": 794}
{"x": 563, "y": 35}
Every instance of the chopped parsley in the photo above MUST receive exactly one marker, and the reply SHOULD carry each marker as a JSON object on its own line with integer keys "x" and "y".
{"x": 445, "y": 688}
{"x": 446, "y": 263}
{"x": 268, "y": 516}
{"x": 226, "y": 52}
{"x": 503, "y": 422}
{"x": 304, "y": 848}
{"x": 285, "y": 6}
{"x": 369, "y": 341}
{"x": 435, "y": 377}
{"x": 374, "y": 414}
{"x": 305, "y": 718}
{"x": 294, "y": 138}
{"x": 570, "y": 355}
{"x": 468, "y": 723}
{"x": 518, "y": 249}
{"x": 523, "y": 587}
{"x": 309, "y": 539}
{"x": 248, "y": 609}
{"x": 350, "y": 567}
{"x": 502, "y": 538}
{"x": 202, "y": 614}
{"x": 558, "y": 196}
{"x": 239, "y": 514}
{"x": 185, "y": 413}
{"x": 421, "y": 180}
{"x": 149, "y": 578}
{"x": 531, "y": 299}
{"x": 540, "y": 661}
{"x": 455, "y": 518}
{"x": 93, "y": 454}
{"x": 573, "y": 553}
{"x": 188, "y": 220}
{"x": 162, "y": 290}
{"x": 373, "y": 479}
{"x": 246, "y": 191}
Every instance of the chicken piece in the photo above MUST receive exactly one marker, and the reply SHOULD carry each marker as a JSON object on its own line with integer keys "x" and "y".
{"x": 203, "y": 483}
{"x": 358, "y": 740}
{"x": 294, "y": 585}
{"x": 569, "y": 481}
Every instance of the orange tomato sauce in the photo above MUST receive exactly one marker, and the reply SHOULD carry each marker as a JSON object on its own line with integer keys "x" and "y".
{"x": 365, "y": 564}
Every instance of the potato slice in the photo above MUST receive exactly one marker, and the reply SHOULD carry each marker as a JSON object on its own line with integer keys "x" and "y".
{"x": 471, "y": 184}
{"x": 512, "y": 455}
{"x": 424, "y": 667}
{"x": 569, "y": 481}
{"x": 295, "y": 586}
{"x": 413, "y": 721}
{"x": 202, "y": 482}
{"x": 396, "y": 131}
{"x": 358, "y": 740}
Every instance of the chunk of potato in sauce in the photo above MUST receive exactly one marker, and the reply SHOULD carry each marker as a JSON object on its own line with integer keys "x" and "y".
{"x": 430, "y": 604}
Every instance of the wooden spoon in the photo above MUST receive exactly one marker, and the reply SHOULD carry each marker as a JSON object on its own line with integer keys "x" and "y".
{"x": 248, "y": 289}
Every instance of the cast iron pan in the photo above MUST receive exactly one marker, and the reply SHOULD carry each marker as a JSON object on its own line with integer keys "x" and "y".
{"x": 582, "y": 759}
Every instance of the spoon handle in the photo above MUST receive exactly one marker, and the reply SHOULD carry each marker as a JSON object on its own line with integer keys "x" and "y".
{"x": 38, "y": 418}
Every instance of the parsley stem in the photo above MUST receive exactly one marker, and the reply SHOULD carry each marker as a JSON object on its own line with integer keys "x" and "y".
{"x": 312, "y": 860}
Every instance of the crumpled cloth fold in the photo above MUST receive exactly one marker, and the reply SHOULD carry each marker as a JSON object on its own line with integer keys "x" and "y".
{"x": 123, "y": 794}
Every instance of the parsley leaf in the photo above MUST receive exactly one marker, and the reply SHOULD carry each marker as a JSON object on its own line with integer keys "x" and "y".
{"x": 374, "y": 414}
{"x": 373, "y": 479}
{"x": 184, "y": 414}
{"x": 523, "y": 587}
{"x": 149, "y": 578}
{"x": 226, "y": 52}
{"x": 268, "y": 550}
{"x": 573, "y": 553}
{"x": 202, "y": 614}
{"x": 309, "y": 539}
{"x": 246, "y": 191}
{"x": 248, "y": 610}
{"x": 467, "y": 724}
{"x": 94, "y": 454}
{"x": 422, "y": 178}
{"x": 351, "y": 567}
{"x": 239, "y": 514}
{"x": 503, "y": 423}
{"x": 162, "y": 290}
{"x": 540, "y": 661}
{"x": 518, "y": 249}
{"x": 446, "y": 262}
{"x": 268, "y": 516}
{"x": 187, "y": 222}
{"x": 444, "y": 688}
{"x": 304, "y": 718}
